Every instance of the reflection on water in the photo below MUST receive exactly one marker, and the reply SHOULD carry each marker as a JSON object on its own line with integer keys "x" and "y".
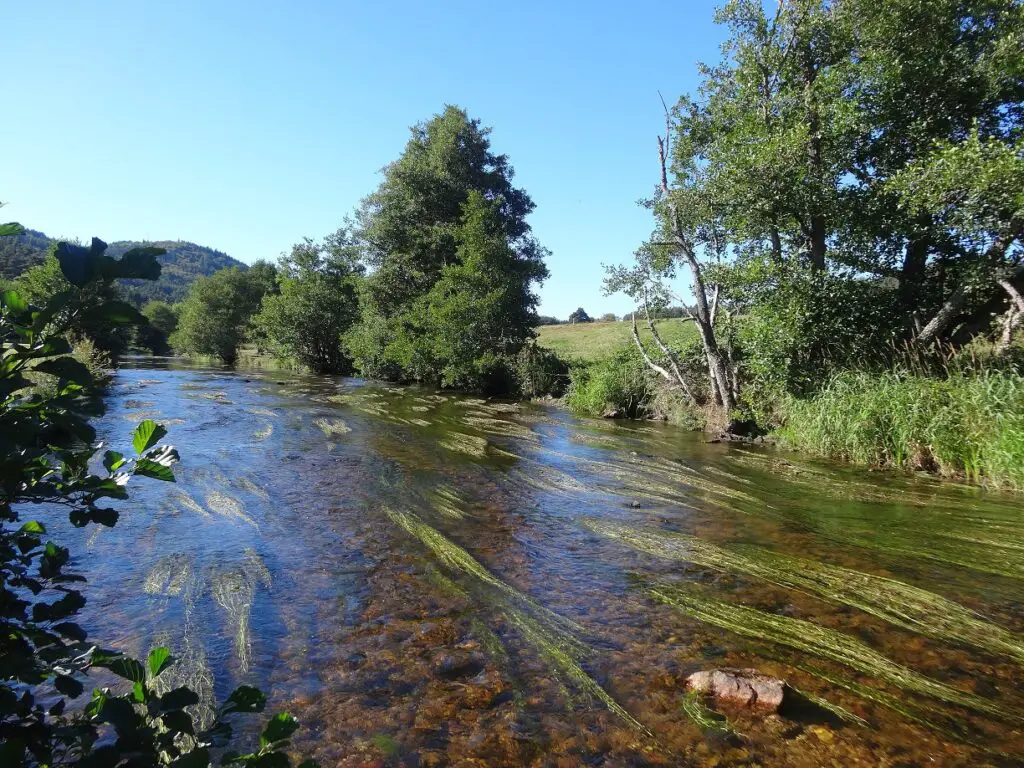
{"x": 429, "y": 580}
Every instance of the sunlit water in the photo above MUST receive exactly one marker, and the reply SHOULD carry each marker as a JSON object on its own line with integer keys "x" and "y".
{"x": 429, "y": 580}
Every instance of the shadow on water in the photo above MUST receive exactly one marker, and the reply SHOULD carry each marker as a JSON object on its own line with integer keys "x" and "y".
{"x": 427, "y": 579}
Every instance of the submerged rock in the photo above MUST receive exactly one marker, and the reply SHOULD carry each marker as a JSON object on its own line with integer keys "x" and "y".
{"x": 743, "y": 687}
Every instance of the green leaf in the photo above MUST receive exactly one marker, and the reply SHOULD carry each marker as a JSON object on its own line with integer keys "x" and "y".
{"x": 122, "y": 666}
{"x": 146, "y": 435}
{"x": 245, "y": 698}
{"x": 139, "y": 692}
{"x": 140, "y": 263}
{"x": 117, "y": 313}
{"x": 33, "y": 526}
{"x": 150, "y": 468}
{"x": 82, "y": 517}
{"x": 281, "y": 727}
{"x": 179, "y": 698}
{"x": 197, "y": 758}
{"x": 10, "y": 229}
{"x": 68, "y": 686}
{"x": 113, "y": 460}
{"x": 66, "y": 368}
{"x": 179, "y": 721}
{"x": 76, "y": 262}
{"x": 12, "y": 301}
{"x": 159, "y": 659}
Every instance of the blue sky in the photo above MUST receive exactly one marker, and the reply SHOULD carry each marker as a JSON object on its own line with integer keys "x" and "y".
{"x": 245, "y": 126}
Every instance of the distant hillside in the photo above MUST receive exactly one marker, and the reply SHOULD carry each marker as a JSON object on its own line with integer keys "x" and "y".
{"x": 19, "y": 253}
{"x": 182, "y": 264}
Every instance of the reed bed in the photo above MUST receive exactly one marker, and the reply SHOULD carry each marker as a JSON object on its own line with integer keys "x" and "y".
{"x": 967, "y": 424}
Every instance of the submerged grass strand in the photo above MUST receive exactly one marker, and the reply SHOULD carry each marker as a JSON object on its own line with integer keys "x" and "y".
{"x": 553, "y": 636}
{"x": 820, "y": 641}
{"x": 902, "y": 605}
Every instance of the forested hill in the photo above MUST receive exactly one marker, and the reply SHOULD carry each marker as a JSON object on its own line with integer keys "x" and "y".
{"x": 182, "y": 264}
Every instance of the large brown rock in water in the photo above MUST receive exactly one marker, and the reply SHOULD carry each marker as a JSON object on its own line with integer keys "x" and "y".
{"x": 742, "y": 687}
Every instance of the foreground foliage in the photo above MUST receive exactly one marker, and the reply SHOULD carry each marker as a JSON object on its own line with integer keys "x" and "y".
{"x": 46, "y": 450}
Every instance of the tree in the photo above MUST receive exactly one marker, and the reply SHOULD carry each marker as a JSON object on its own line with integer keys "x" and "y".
{"x": 317, "y": 303}
{"x": 609, "y": 317}
{"x": 163, "y": 320}
{"x": 481, "y": 310}
{"x": 580, "y": 316}
{"x": 413, "y": 228}
{"x": 810, "y": 184}
{"x": 214, "y": 317}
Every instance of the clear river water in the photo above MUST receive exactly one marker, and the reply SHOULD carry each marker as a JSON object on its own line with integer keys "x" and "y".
{"x": 427, "y": 579}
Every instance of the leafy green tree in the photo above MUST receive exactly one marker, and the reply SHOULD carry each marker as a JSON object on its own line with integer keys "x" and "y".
{"x": 412, "y": 229}
{"x": 481, "y": 311}
{"x": 163, "y": 320}
{"x": 215, "y": 315}
{"x": 317, "y": 303}
{"x": 580, "y": 316}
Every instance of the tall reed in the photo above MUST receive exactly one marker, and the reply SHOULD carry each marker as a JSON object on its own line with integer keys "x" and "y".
{"x": 969, "y": 424}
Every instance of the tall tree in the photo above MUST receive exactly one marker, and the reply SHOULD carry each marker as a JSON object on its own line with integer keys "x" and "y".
{"x": 410, "y": 231}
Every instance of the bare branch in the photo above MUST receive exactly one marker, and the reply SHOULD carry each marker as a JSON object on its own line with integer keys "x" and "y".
{"x": 673, "y": 359}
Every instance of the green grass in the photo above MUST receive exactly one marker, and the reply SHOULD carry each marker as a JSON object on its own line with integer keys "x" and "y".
{"x": 589, "y": 342}
{"x": 969, "y": 425}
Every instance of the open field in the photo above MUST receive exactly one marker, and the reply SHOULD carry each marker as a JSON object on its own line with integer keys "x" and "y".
{"x": 593, "y": 341}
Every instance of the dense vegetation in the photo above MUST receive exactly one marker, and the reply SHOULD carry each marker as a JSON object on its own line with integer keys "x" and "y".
{"x": 845, "y": 191}
{"x": 47, "y": 447}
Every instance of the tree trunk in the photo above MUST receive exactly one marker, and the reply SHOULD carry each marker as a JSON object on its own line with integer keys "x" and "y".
{"x": 954, "y": 305}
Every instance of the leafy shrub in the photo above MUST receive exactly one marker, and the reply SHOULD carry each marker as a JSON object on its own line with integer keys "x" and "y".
{"x": 621, "y": 384}
{"x": 541, "y": 372}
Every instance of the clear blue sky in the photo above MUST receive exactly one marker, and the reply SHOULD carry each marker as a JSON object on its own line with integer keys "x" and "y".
{"x": 247, "y": 125}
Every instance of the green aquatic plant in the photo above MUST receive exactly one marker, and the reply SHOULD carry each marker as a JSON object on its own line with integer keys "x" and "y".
{"x": 169, "y": 576}
{"x": 227, "y": 506}
{"x": 900, "y": 604}
{"x": 446, "y": 501}
{"x": 819, "y": 641}
{"x": 459, "y": 442}
{"x": 705, "y": 718}
{"x": 330, "y": 428}
{"x": 234, "y": 590}
{"x": 250, "y": 486}
{"x": 499, "y": 427}
{"x": 264, "y": 433}
{"x": 182, "y": 498}
{"x": 554, "y": 637}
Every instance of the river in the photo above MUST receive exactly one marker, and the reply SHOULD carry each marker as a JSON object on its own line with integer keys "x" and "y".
{"x": 426, "y": 579}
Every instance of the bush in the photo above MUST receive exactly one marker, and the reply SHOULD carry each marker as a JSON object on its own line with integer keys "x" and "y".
{"x": 541, "y": 372}
{"x": 969, "y": 425}
{"x": 621, "y": 384}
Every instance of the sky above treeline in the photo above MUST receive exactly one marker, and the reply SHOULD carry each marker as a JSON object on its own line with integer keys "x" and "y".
{"x": 246, "y": 126}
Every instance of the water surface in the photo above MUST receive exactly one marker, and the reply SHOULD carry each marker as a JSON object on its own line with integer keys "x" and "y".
{"x": 426, "y": 580}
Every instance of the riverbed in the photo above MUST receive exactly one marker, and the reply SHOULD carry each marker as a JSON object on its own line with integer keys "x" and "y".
{"x": 426, "y": 579}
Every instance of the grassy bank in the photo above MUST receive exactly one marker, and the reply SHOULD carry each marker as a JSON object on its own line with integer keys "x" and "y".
{"x": 590, "y": 342}
{"x": 967, "y": 425}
